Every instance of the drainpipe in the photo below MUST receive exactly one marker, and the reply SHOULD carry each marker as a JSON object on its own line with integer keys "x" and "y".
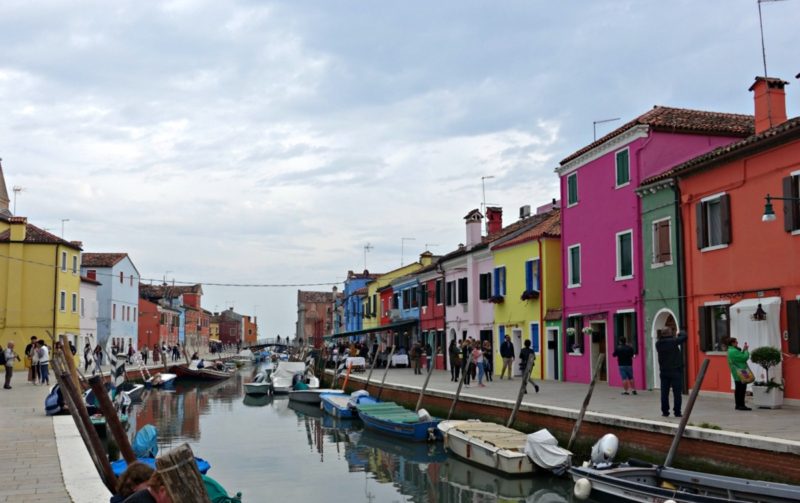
{"x": 56, "y": 297}
{"x": 679, "y": 261}
{"x": 542, "y": 328}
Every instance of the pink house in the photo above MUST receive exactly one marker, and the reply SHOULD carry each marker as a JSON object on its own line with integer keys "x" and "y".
{"x": 601, "y": 238}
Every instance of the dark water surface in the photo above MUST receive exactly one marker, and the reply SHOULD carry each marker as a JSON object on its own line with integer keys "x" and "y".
{"x": 272, "y": 450}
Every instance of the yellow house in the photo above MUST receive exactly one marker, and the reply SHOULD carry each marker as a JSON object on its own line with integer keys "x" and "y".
{"x": 531, "y": 264}
{"x": 39, "y": 284}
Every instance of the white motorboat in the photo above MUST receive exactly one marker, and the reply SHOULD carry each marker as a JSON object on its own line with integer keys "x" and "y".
{"x": 283, "y": 377}
{"x": 260, "y": 385}
{"x": 313, "y": 395}
{"x": 162, "y": 380}
{"x": 501, "y": 449}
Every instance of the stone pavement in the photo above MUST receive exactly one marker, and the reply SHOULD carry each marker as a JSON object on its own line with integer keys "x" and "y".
{"x": 30, "y": 470}
{"x": 711, "y": 409}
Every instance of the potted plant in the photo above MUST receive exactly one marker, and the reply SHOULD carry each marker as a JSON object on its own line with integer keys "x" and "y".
{"x": 587, "y": 330}
{"x": 767, "y": 393}
{"x": 496, "y": 299}
{"x": 530, "y": 294}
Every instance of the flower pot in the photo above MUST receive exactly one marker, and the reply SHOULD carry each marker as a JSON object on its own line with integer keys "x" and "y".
{"x": 766, "y": 398}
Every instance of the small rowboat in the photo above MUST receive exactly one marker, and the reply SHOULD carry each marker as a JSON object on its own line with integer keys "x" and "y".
{"x": 343, "y": 406}
{"x": 393, "y": 419}
{"x": 259, "y": 386}
{"x": 312, "y": 395}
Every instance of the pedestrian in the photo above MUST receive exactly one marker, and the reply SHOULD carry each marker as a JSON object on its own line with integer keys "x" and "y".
{"x": 98, "y": 359}
{"x": 487, "y": 360}
{"x": 416, "y": 357}
{"x": 145, "y": 354}
{"x": 507, "y": 354}
{"x": 154, "y": 492}
{"x": 737, "y": 362}
{"x": 72, "y": 348}
{"x": 525, "y": 353}
{"x": 156, "y": 352}
{"x": 131, "y": 352}
{"x": 33, "y": 370}
{"x": 670, "y": 362}
{"x": 44, "y": 362}
{"x": 8, "y": 360}
{"x": 477, "y": 359}
{"x": 465, "y": 358}
{"x": 87, "y": 356}
{"x": 455, "y": 360}
{"x": 624, "y": 355}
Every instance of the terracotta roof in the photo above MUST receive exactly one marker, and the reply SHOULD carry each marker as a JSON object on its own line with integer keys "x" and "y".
{"x": 681, "y": 120}
{"x": 788, "y": 131}
{"x": 361, "y": 291}
{"x": 553, "y": 315}
{"x": 316, "y": 297}
{"x": 35, "y": 235}
{"x": 101, "y": 259}
{"x": 167, "y": 291}
{"x": 550, "y": 226}
{"x": 84, "y": 279}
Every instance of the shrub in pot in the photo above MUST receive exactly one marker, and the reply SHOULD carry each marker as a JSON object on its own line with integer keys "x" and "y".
{"x": 767, "y": 393}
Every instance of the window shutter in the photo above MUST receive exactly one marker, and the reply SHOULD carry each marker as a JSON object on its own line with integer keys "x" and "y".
{"x": 538, "y": 275}
{"x": 793, "y": 325}
{"x": 701, "y": 227}
{"x": 725, "y": 217}
{"x": 664, "y": 253}
{"x": 497, "y": 281}
{"x": 789, "y": 207}
{"x": 704, "y": 331}
{"x": 634, "y": 334}
{"x": 529, "y": 275}
{"x": 618, "y": 332}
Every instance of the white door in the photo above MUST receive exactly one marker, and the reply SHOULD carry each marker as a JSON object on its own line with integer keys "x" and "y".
{"x": 516, "y": 339}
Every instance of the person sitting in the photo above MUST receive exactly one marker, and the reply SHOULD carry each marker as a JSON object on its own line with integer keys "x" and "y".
{"x": 201, "y": 363}
{"x": 154, "y": 492}
{"x": 195, "y": 356}
{"x": 133, "y": 479}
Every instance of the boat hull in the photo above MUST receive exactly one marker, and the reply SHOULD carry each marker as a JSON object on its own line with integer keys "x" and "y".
{"x": 474, "y": 450}
{"x": 420, "y": 431}
{"x": 260, "y": 388}
{"x": 204, "y": 374}
{"x": 311, "y": 396}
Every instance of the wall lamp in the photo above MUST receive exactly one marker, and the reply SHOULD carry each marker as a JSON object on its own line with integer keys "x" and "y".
{"x": 769, "y": 211}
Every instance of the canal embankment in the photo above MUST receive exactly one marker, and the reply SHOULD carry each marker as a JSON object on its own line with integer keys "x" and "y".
{"x": 760, "y": 443}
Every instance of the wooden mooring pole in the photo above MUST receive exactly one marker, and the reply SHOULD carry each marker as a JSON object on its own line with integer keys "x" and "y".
{"x": 427, "y": 379}
{"x": 388, "y": 364}
{"x": 687, "y": 411}
{"x": 372, "y": 367}
{"x": 525, "y": 376}
{"x": 586, "y": 400}
{"x": 112, "y": 419}
{"x": 181, "y": 477}
{"x": 464, "y": 370}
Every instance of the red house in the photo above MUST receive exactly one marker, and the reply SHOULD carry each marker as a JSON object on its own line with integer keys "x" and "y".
{"x": 431, "y": 313}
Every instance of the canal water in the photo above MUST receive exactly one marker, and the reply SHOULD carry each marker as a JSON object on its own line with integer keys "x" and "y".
{"x": 274, "y": 450}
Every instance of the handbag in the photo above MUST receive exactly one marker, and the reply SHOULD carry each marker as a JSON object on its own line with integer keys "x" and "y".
{"x": 745, "y": 375}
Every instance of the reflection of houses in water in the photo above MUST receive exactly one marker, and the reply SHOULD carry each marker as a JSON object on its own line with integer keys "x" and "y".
{"x": 175, "y": 415}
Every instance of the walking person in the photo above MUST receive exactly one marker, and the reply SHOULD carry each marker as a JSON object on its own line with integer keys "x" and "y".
{"x": 737, "y": 361}
{"x": 33, "y": 370}
{"x": 8, "y": 362}
{"x": 525, "y": 353}
{"x": 416, "y": 357}
{"x": 670, "y": 362}
{"x": 465, "y": 364}
{"x": 455, "y": 360}
{"x": 477, "y": 359}
{"x": 156, "y": 352}
{"x": 44, "y": 362}
{"x": 507, "y": 354}
{"x": 145, "y": 354}
{"x": 487, "y": 360}
{"x": 624, "y": 355}
{"x": 87, "y": 356}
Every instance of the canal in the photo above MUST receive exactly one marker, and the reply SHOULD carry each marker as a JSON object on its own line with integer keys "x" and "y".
{"x": 270, "y": 449}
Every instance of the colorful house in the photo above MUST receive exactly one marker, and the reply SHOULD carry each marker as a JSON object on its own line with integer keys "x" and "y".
{"x": 431, "y": 311}
{"x": 314, "y": 315}
{"x": 741, "y": 273}
{"x": 117, "y": 297}
{"x": 87, "y": 311}
{"x": 528, "y": 273}
{"x": 353, "y": 312}
{"x": 601, "y": 231}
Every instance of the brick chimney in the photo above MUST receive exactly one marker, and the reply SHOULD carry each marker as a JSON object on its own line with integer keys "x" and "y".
{"x": 473, "y": 219}
{"x": 494, "y": 219}
{"x": 770, "y": 102}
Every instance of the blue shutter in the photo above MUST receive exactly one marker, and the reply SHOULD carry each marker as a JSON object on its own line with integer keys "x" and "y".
{"x": 497, "y": 281}
{"x": 529, "y": 275}
{"x": 538, "y": 275}
{"x": 535, "y": 337}
{"x": 501, "y": 335}
{"x": 504, "y": 281}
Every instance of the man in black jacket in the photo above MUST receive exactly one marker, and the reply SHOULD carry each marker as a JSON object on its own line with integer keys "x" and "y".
{"x": 507, "y": 354}
{"x": 670, "y": 362}
{"x": 526, "y": 353}
{"x": 624, "y": 354}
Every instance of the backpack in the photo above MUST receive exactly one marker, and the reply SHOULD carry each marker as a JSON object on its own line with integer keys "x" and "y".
{"x": 2, "y": 356}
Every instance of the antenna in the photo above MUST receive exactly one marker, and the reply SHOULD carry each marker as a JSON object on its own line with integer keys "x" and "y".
{"x": 601, "y": 121}
{"x": 17, "y": 189}
{"x": 764, "y": 57}
{"x": 367, "y": 247}
{"x": 63, "y": 220}
{"x": 402, "y": 248}
{"x": 427, "y": 245}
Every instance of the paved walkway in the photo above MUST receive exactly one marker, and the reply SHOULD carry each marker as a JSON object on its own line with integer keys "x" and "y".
{"x": 712, "y": 409}
{"x": 30, "y": 470}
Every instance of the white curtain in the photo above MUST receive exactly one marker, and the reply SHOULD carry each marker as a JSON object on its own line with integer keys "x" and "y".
{"x": 758, "y": 333}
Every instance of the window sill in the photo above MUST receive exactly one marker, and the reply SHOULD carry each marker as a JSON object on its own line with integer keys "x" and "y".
{"x": 573, "y": 204}
{"x": 712, "y": 248}
{"x": 623, "y": 278}
{"x": 796, "y": 232}
{"x": 576, "y": 285}
{"x": 657, "y": 265}
{"x": 574, "y": 354}
{"x": 716, "y": 353}
{"x": 623, "y": 185}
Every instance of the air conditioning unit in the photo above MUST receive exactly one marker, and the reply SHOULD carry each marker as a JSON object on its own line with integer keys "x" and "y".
{"x": 525, "y": 211}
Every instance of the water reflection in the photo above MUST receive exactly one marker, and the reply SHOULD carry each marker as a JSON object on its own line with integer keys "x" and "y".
{"x": 267, "y": 446}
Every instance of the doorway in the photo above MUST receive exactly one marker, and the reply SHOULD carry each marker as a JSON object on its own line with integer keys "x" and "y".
{"x": 663, "y": 321}
{"x": 552, "y": 354}
{"x": 516, "y": 340}
{"x": 598, "y": 341}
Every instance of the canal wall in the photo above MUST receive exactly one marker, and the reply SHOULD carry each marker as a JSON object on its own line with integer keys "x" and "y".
{"x": 716, "y": 451}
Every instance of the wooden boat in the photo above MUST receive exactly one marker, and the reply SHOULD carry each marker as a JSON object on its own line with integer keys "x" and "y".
{"x": 393, "y": 419}
{"x": 312, "y": 395}
{"x": 206, "y": 373}
{"x": 343, "y": 406}
{"x": 643, "y": 482}
{"x": 121, "y": 465}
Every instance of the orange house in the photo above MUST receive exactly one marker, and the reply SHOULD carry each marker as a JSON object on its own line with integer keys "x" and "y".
{"x": 742, "y": 274}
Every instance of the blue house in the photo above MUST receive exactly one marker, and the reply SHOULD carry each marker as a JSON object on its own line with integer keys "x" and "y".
{"x": 117, "y": 297}
{"x": 406, "y": 296}
{"x": 353, "y": 299}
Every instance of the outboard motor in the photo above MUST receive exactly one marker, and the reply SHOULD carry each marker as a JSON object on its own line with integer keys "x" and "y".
{"x": 604, "y": 451}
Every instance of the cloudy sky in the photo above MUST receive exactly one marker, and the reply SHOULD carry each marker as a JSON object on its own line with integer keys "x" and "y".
{"x": 268, "y": 142}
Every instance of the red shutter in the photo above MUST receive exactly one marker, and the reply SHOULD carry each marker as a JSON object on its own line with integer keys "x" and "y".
{"x": 725, "y": 217}
{"x": 704, "y": 332}
{"x": 790, "y": 216}
{"x": 701, "y": 226}
{"x": 793, "y": 325}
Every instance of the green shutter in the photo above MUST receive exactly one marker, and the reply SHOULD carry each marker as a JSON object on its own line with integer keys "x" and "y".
{"x": 623, "y": 167}
{"x": 793, "y": 325}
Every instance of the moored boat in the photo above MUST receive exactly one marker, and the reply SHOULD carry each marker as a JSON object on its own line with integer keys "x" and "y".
{"x": 161, "y": 380}
{"x": 344, "y": 406}
{"x": 205, "y": 373}
{"x": 260, "y": 385}
{"x": 283, "y": 377}
{"x": 312, "y": 395}
{"x": 393, "y": 419}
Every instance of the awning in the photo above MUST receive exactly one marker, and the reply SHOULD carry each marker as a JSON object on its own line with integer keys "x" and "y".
{"x": 391, "y": 326}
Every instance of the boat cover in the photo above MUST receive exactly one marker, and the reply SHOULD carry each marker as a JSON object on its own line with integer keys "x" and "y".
{"x": 355, "y": 396}
{"x": 543, "y": 449}
{"x": 145, "y": 443}
{"x": 286, "y": 370}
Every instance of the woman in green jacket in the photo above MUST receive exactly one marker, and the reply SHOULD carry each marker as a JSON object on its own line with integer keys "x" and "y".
{"x": 737, "y": 360}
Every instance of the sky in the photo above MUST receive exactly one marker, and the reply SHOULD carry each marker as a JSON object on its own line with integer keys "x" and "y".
{"x": 267, "y": 142}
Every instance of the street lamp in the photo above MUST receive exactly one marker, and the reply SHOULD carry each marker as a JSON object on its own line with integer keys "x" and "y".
{"x": 769, "y": 211}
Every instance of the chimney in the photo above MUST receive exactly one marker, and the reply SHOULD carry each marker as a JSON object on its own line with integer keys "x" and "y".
{"x": 473, "y": 219}
{"x": 494, "y": 219}
{"x": 19, "y": 228}
{"x": 770, "y": 102}
{"x": 426, "y": 258}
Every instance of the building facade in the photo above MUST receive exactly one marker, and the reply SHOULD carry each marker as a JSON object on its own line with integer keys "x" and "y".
{"x": 117, "y": 297}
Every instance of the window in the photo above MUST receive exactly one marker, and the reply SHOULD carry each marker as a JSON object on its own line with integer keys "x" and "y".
{"x": 395, "y": 301}
{"x": 423, "y": 295}
{"x": 532, "y": 275}
{"x": 74, "y": 302}
{"x": 450, "y": 293}
{"x": 121, "y": 277}
{"x": 714, "y": 324}
{"x": 485, "y": 286}
{"x": 134, "y": 314}
{"x": 83, "y": 307}
{"x": 413, "y": 297}
{"x": 438, "y": 292}
{"x": 374, "y": 311}
{"x": 113, "y": 311}
{"x": 74, "y": 264}
{"x": 64, "y": 261}
{"x": 623, "y": 168}
{"x": 625, "y": 326}
{"x": 714, "y": 221}
{"x": 572, "y": 189}
{"x": 662, "y": 242}
{"x": 575, "y": 334}
{"x": 406, "y": 298}
{"x": 625, "y": 255}
{"x": 462, "y": 291}
{"x": 63, "y": 301}
{"x": 131, "y": 279}
{"x": 791, "y": 209}
{"x": 793, "y": 325}
{"x": 499, "y": 281}
{"x": 574, "y": 265}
